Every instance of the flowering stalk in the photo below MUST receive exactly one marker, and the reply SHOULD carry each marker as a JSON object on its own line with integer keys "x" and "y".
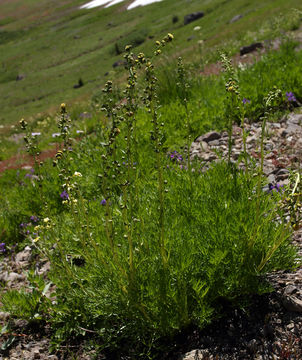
{"x": 157, "y": 138}
{"x": 30, "y": 140}
{"x": 269, "y": 102}
{"x": 110, "y": 163}
{"x": 184, "y": 94}
{"x": 232, "y": 89}
{"x": 130, "y": 108}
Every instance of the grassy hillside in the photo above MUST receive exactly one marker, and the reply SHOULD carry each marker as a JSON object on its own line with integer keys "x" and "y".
{"x": 53, "y": 44}
{"x": 143, "y": 241}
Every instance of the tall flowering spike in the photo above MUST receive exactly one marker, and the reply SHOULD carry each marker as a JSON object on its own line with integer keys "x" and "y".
{"x": 128, "y": 48}
{"x": 23, "y": 124}
{"x": 169, "y": 37}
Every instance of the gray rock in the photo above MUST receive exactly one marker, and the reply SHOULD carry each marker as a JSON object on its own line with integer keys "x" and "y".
{"x": 271, "y": 178}
{"x": 194, "y": 355}
{"x": 45, "y": 268}
{"x": 236, "y": 154}
{"x": 24, "y": 255}
{"x": 289, "y": 299}
{"x": 236, "y": 18}
{"x": 293, "y": 129}
{"x": 11, "y": 277}
{"x": 283, "y": 132}
{"x": 214, "y": 143}
{"x": 290, "y": 326}
{"x": 250, "y": 48}
{"x": 118, "y": 63}
{"x": 290, "y": 290}
{"x": 252, "y": 346}
{"x": 36, "y": 354}
{"x": 193, "y": 17}
{"x": 251, "y": 139}
{"x": 4, "y": 316}
{"x": 198, "y": 148}
{"x": 204, "y": 146}
{"x": 294, "y": 119}
{"x": 210, "y": 136}
{"x": 17, "y": 138}
{"x": 208, "y": 157}
{"x": 192, "y": 37}
{"x": 282, "y": 171}
{"x": 20, "y": 77}
{"x": 266, "y": 189}
{"x": 269, "y": 146}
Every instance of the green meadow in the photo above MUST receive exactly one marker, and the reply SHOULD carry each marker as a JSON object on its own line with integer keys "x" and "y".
{"x": 53, "y": 45}
{"x": 143, "y": 241}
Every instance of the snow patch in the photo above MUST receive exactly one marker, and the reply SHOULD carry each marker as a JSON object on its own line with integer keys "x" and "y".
{"x": 94, "y": 3}
{"x": 107, "y": 3}
{"x": 141, "y": 3}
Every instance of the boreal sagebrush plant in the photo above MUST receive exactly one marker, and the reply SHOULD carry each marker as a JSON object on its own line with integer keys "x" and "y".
{"x": 184, "y": 93}
{"x": 29, "y": 303}
{"x": 150, "y": 251}
{"x": 234, "y": 106}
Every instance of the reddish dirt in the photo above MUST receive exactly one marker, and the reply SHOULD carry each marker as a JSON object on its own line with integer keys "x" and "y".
{"x": 215, "y": 69}
{"x": 21, "y": 160}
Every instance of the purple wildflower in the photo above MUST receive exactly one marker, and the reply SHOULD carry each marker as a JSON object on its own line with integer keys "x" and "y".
{"x": 23, "y": 225}
{"x": 246, "y": 101}
{"x": 2, "y": 248}
{"x": 64, "y": 195}
{"x": 290, "y": 96}
{"x": 103, "y": 202}
{"x": 176, "y": 157}
{"x": 29, "y": 175}
{"x": 276, "y": 187}
{"x": 34, "y": 218}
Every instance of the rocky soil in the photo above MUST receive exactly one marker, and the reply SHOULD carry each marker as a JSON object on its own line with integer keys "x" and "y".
{"x": 270, "y": 329}
{"x": 273, "y": 327}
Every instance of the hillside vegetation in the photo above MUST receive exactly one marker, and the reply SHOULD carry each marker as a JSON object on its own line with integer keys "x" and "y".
{"x": 143, "y": 241}
{"x": 50, "y": 46}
